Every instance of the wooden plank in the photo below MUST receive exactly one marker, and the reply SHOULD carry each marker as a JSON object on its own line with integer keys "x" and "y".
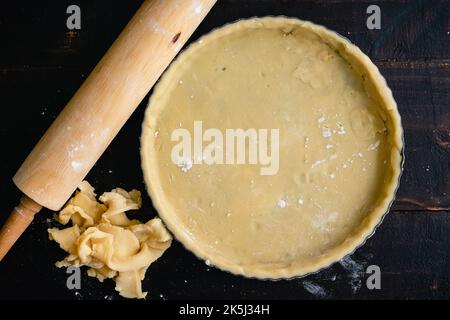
{"x": 422, "y": 91}
{"x": 42, "y": 64}
{"x": 411, "y": 249}
{"x": 38, "y": 36}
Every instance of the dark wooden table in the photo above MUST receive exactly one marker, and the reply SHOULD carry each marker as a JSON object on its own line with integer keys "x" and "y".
{"x": 42, "y": 64}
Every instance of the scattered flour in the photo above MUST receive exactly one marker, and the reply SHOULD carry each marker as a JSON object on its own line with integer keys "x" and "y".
{"x": 198, "y": 9}
{"x": 281, "y": 203}
{"x": 184, "y": 164}
{"x": 76, "y": 165}
{"x": 374, "y": 145}
{"x": 314, "y": 289}
{"x": 326, "y": 132}
{"x": 341, "y": 129}
{"x": 355, "y": 270}
{"x": 318, "y": 162}
{"x": 323, "y": 221}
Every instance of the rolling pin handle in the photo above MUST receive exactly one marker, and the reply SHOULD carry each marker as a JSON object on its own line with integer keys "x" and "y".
{"x": 17, "y": 222}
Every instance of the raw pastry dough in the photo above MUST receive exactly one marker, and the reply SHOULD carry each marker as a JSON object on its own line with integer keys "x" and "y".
{"x": 340, "y": 147}
{"x": 104, "y": 239}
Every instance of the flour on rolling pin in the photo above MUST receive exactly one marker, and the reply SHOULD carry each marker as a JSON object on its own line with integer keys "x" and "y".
{"x": 77, "y": 151}
{"x": 106, "y": 241}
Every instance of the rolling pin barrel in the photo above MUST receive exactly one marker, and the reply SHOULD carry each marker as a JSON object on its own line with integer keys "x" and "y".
{"x": 102, "y": 105}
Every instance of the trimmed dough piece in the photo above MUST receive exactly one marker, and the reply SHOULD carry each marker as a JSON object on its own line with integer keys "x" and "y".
{"x": 104, "y": 239}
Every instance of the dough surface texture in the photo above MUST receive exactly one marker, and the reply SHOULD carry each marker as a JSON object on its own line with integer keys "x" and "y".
{"x": 340, "y": 147}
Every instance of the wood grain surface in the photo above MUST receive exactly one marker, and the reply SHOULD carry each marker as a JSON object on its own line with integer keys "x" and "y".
{"x": 42, "y": 64}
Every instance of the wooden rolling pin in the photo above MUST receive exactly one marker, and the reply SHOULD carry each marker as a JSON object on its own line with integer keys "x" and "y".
{"x": 100, "y": 107}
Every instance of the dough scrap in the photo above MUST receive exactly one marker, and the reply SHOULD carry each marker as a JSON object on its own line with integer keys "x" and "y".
{"x": 105, "y": 240}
